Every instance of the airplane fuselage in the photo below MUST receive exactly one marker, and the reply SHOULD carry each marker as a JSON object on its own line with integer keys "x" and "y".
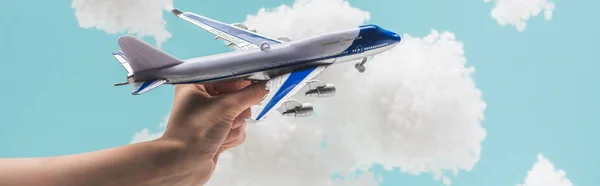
{"x": 259, "y": 64}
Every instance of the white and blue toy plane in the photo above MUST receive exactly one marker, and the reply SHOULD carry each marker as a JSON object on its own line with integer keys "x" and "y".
{"x": 287, "y": 65}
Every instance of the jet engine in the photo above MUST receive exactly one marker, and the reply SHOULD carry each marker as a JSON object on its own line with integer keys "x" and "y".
{"x": 286, "y": 39}
{"x": 320, "y": 89}
{"x": 242, "y": 26}
{"x": 296, "y": 109}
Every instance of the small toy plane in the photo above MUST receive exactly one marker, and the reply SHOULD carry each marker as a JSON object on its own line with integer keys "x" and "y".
{"x": 287, "y": 65}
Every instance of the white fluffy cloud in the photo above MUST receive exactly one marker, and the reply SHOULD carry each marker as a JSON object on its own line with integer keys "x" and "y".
{"x": 543, "y": 173}
{"x": 415, "y": 108}
{"x": 140, "y": 17}
{"x": 295, "y": 21}
{"x": 518, "y": 12}
{"x": 146, "y": 135}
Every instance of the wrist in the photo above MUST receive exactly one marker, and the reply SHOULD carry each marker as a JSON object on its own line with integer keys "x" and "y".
{"x": 184, "y": 159}
{"x": 169, "y": 144}
{"x": 192, "y": 146}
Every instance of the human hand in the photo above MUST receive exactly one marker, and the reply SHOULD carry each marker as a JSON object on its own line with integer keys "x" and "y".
{"x": 205, "y": 121}
{"x": 209, "y": 119}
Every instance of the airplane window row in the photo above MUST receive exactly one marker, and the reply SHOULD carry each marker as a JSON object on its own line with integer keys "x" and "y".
{"x": 334, "y": 42}
{"x": 376, "y": 46}
{"x": 356, "y": 38}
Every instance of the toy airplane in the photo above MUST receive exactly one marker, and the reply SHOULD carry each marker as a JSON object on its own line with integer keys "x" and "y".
{"x": 287, "y": 65}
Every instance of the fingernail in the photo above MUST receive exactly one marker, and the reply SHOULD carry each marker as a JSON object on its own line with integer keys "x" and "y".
{"x": 248, "y": 120}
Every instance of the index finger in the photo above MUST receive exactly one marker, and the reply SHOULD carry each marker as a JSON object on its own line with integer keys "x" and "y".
{"x": 229, "y": 86}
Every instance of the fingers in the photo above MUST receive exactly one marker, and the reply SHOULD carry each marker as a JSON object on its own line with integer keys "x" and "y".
{"x": 234, "y": 143}
{"x": 246, "y": 114}
{"x": 239, "y": 126}
{"x": 237, "y": 142}
{"x": 216, "y": 89}
{"x": 230, "y": 86}
{"x": 235, "y": 138}
{"x": 235, "y": 134}
{"x": 241, "y": 119}
{"x": 191, "y": 90}
{"x": 248, "y": 96}
{"x": 210, "y": 89}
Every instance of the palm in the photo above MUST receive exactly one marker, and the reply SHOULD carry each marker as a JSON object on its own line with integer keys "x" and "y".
{"x": 203, "y": 116}
{"x": 237, "y": 133}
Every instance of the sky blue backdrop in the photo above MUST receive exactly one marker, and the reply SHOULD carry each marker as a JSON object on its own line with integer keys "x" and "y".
{"x": 540, "y": 85}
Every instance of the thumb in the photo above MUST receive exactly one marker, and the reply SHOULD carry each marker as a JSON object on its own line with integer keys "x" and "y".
{"x": 250, "y": 95}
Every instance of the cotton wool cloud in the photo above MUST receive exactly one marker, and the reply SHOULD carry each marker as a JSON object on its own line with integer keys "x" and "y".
{"x": 544, "y": 173}
{"x": 517, "y": 12}
{"x": 415, "y": 108}
{"x": 139, "y": 17}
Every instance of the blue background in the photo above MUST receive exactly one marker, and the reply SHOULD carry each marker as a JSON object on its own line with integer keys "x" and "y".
{"x": 540, "y": 85}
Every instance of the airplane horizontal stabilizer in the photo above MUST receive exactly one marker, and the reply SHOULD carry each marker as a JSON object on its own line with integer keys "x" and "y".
{"x": 143, "y": 87}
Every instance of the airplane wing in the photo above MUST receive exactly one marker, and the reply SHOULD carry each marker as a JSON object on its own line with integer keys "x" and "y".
{"x": 282, "y": 88}
{"x": 239, "y": 35}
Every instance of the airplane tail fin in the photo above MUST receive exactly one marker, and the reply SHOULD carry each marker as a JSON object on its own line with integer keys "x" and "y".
{"x": 138, "y": 56}
{"x": 142, "y": 56}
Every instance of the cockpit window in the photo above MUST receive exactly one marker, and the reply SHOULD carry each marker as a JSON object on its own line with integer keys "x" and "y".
{"x": 370, "y": 26}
